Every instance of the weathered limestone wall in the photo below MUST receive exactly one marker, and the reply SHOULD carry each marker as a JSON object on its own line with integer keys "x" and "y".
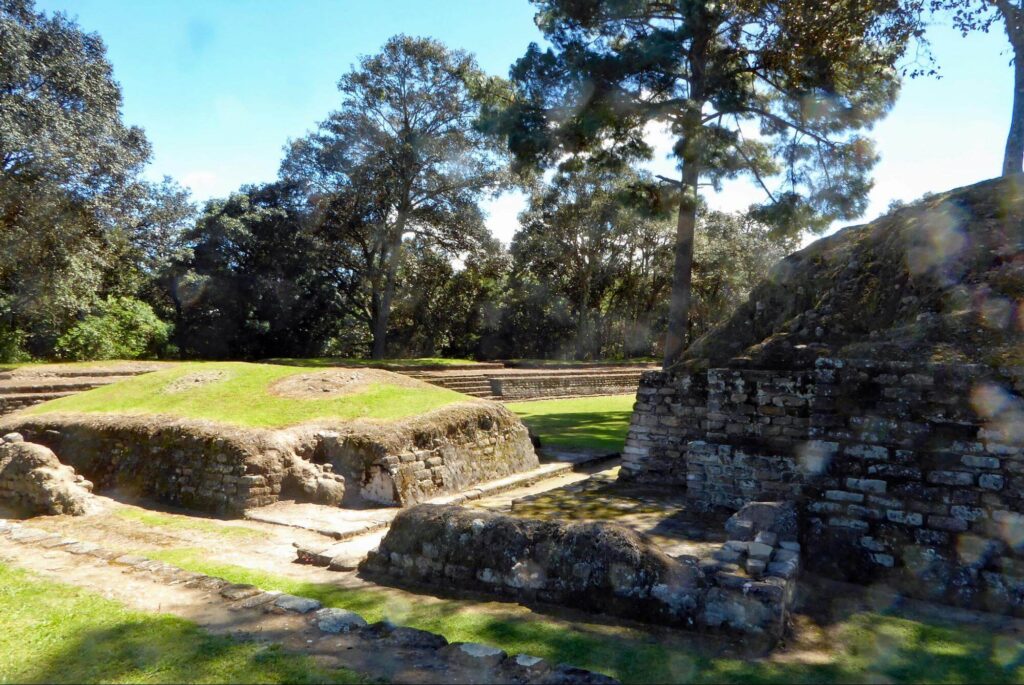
{"x": 32, "y": 479}
{"x": 597, "y": 566}
{"x": 181, "y": 464}
{"x": 226, "y": 470}
{"x": 911, "y": 472}
{"x": 431, "y": 459}
{"x": 563, "y": 385}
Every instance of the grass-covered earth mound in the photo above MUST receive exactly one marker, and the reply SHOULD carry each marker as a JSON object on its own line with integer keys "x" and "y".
{"x": 229, "y": 436}
{"x": 260, "y": 395}
{"x": 940, "y": 280}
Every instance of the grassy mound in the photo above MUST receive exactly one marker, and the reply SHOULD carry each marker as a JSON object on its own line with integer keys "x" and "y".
{"x": 939, "y": 280}
{"x": 241, "y": 394}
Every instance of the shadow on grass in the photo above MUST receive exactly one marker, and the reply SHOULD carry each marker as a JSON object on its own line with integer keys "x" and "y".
{"x": 599, "y": 430}
{"x": 55, "y": 633}
{"x": 861, "y": 646}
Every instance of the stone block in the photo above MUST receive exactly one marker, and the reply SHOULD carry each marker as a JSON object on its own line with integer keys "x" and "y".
{"x": 338, "y": 620}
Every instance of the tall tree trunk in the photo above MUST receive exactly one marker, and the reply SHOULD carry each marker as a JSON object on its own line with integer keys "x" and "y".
{"x": 383, "y": 314}
{"x": 682, "y": 271}
{"x": 1013, "y": 19}
{"x": 1013, "y": 159}
{"x": 583, "y": 332}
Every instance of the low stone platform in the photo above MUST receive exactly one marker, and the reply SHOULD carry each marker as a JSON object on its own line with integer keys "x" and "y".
{"x": 516, "y": 384}
{"x": 746, "y": 585}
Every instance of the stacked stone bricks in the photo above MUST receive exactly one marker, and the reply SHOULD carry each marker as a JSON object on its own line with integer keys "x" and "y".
{"x": 912, "y": 473}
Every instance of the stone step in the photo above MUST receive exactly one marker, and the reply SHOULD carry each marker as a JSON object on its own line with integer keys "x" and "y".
{"x": 345, "y": 524}
{"x": 33, "y": 397}
{"x": 43, "y": 385}
{"x": 31, "y": 374}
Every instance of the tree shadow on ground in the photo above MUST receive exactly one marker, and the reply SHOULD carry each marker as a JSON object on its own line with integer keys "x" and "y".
{"x": 598, "y": 430}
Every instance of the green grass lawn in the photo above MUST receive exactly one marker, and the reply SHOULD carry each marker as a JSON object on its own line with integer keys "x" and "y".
{"x": 242, "y": 398}
{"x": 327, "y": 362}
{"x": 578, "y": 362}
{"x": 596, "y": 423}
{"x": 55, "y": 633}
{"x": 871, "y": 647}
{"x": 176, "y": 522}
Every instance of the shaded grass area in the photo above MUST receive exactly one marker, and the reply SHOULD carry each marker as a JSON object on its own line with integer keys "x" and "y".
{"x": 327, "y": 362}
{"x": 867, "y": 646}
{"x": 597, "y": 423}
{"x": 55, "y": 633}
{"x": 242, "y": 397}
{"x": 175, "y": 522}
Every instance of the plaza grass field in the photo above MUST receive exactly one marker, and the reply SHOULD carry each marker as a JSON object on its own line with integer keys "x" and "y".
{"x": 327, "y": 362}
{"x": 242, "y": 398}
{"x": 870, "y": 646}
{"x": 592, "y": 423}
{"x": 56, "y": 633}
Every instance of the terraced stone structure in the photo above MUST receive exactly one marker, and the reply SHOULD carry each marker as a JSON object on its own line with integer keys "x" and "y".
{"x": 600, "y": 566}
{"x": 226, "y": 470}
{"x": 875, "y": 381}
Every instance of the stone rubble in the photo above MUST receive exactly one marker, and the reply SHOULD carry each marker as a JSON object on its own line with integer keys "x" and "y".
{"x": 33, "y": 479}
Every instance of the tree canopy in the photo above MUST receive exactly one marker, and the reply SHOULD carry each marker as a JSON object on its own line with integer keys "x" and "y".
{"x": 406, "y": 126}
{"x": 779, "y": 91}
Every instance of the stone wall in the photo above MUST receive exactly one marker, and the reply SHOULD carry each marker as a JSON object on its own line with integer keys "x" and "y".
{"x": 597, "y": 566}
{"x": 193, "y": 466}
{"x": 33, "y": 480}
{"x": 226, "y": 470}
{"x": 431, "y": 458}
{"x": 526, "y": 387}
{"x": 911, "y": 473}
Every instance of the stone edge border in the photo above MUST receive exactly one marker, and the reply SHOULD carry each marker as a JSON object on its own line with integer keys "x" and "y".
{"x": 327, "y": 620}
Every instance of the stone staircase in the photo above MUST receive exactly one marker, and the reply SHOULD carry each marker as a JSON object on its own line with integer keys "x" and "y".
{"x": 514, "y": 384}
{"x": 475, "y": 384}
{"x": 30, "y": 385}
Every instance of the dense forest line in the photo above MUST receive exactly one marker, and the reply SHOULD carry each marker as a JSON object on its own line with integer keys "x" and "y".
{"x": 371, "y": 241}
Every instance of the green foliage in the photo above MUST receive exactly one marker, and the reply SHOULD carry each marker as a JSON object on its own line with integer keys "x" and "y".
{"x": 379, "y": 174}
{"x": 810, "y": 76}
{"x": 12, "y": 345}
{"x": 254, "y": 283}
{"x": 122, "y": 328}
{"x": 56, "y": 633}
{"x": 76, "y": 219}
{"x": 239, "y": 394}
{"x": 592, "y": 264}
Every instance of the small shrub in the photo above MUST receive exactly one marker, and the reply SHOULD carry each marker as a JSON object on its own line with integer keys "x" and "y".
{"x": 12, "y": 346}
{"x": 122, "y": 328}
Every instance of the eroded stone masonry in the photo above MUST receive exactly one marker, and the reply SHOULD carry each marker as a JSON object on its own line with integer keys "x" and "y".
{"x": 906, "y": 473}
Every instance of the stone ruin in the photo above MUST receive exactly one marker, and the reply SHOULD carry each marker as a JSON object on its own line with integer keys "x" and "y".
{"x": 868, "y": 395}
{"x": 599, "y": 566}
{"x": 225, "y": 470}
{"x": 874, "y": 381}
{"x": 33, "y": 480}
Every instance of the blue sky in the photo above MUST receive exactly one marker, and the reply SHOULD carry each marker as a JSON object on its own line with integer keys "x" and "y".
{"x": 221, "y": 85}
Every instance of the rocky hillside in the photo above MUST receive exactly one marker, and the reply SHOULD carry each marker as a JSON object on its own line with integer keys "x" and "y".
{"x": 940, "y": 280}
